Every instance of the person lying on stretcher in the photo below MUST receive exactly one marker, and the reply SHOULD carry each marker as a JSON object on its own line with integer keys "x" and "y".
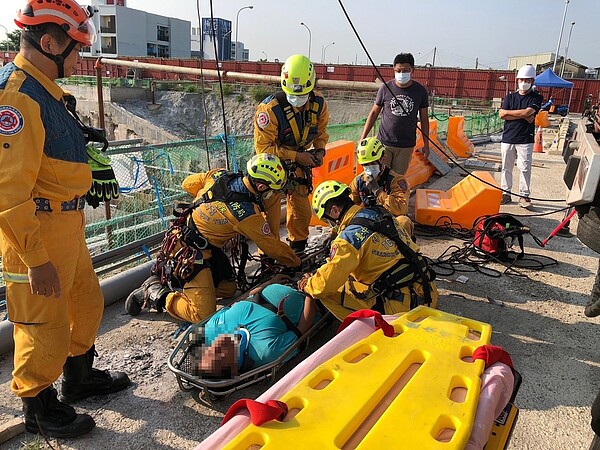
{"x": 255, "y": 331}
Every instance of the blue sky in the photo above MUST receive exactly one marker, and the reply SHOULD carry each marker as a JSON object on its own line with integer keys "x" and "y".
{"x": 462, "y": 30}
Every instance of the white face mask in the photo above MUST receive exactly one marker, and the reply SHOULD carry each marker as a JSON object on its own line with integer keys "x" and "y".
{"x": 372, "y": 171}
{"x": 297, "y": 101}
{"x": 402, "y": 77}
{"x": 524, "y": 86}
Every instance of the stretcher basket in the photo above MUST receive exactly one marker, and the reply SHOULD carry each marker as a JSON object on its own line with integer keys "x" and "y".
{"x": 182, "y": 358}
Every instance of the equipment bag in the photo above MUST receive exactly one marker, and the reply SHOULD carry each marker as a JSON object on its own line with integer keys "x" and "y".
{"x": 495, "y": 235}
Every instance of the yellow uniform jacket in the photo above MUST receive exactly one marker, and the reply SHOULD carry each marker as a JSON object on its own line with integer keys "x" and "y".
{"x": 359, "y": 256}
{"x": 48, "y": 161}
{"x": 282, "y": 130}
{"x": 219, "y": 221}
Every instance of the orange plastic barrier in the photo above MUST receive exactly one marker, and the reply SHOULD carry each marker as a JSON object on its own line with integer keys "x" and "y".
{"x": 457, "y": 140}
{"x": 338, "y": 164}
{"x": 419, "y": 170}
{"x": 463, "y": 203}
{"x": 541, "y": 119}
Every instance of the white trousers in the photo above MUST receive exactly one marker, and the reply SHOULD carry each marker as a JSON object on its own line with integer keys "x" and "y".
{"x": 523, "y": 154}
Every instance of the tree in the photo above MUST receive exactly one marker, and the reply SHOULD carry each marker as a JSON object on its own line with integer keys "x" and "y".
{"x": 14, "y": 40}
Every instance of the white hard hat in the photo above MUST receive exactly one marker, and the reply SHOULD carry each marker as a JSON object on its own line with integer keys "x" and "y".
{"x": 527, "y": 71}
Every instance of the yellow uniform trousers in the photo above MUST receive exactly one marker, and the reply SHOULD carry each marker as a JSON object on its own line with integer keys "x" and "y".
{"x": 298, "y": 213}
{"x": 199, "y": 297}
{"x": 48, "y": 329}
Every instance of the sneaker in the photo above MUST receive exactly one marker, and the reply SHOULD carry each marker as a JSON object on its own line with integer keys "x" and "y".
{"x": 506, "y": 198}
{"x": 524, "y": 202}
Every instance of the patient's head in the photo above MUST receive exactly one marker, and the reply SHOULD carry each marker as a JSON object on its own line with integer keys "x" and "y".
{"x": 219, "y": 360}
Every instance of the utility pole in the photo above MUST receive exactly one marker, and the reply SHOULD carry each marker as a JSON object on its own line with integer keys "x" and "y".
{"x": 476, "y": 63}
{"x": 434, "y": 52}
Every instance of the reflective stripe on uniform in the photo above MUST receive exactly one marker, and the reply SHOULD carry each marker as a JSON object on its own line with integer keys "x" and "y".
{"x": 16, "y": 277}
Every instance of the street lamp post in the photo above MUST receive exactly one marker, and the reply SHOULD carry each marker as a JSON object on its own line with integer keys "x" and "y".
{"x": 266, "y": 57}
{"x": 7, "y": 42}
{"x": 323, "y": 61}
{"x": 562, "y": 26}
{"x": 223, "y": 40}
{"x": 567, "y": 49}
{"x": 309, "y": 37}
{"x": 236, "y": 28}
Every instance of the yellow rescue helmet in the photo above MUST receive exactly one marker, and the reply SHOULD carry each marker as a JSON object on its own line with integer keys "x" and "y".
{"x": 297, "y": 75}
{"x": 370, "y": 150}
{"x": 268, "y": 168}
{"x": 324, "y": 192}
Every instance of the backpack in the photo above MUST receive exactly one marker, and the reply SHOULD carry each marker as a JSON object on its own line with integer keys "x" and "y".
{"x": 495, "y": 235}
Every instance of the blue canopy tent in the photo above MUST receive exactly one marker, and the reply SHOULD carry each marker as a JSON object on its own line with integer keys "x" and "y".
{"x": 549, "y": 79}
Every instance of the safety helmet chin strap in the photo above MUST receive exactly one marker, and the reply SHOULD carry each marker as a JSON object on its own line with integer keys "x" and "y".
{"x": 59, "y": 60}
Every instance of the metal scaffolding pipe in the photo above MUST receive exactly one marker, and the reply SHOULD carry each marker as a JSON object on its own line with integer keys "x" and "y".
{"x": 113, "y": 289}
{"x": 240, "y": 76}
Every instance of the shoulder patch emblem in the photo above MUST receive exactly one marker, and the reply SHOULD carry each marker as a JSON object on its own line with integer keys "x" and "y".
{"x": 403, "y": 184}
{"x": 266, "y": 230}
{"x": 262, "y": 119}
{"x": 11, "y": 120}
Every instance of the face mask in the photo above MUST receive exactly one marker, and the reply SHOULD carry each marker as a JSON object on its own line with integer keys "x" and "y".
{"x": 372, "y": 171}
{"x": 297, "y": 101}
{"x": 524, "y": 86}
{"x": 402, "y": 77}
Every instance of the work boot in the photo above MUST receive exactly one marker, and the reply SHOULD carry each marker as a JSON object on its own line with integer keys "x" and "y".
{"x": 151, "y": 294}
{"x": 46, "y": 415}
{"x": 80, "y": 380}
{"x": 506, "y": 199}
{"x": 524, "y": 202}
{"x": 298, "y": 246}
{"x": 592, "y": 309}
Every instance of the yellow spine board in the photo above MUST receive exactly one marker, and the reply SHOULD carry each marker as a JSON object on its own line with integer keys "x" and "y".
{"x": 401, "y": 392}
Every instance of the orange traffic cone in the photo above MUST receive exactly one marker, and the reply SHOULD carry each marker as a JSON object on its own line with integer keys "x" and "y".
{"x": 538, "y": 146}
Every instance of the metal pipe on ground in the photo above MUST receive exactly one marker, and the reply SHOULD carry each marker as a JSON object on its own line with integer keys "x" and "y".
{"x": 330, "y": 84}
{"x": 114, "y": 288}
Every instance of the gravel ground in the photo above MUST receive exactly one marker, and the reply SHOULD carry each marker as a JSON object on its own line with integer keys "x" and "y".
{"x": 541, "y": 324}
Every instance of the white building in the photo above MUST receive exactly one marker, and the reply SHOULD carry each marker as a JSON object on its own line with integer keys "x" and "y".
{"x": 124, "y": 31}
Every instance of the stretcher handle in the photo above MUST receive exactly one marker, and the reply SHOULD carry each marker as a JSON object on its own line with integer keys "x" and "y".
{"x": 388, "y": 330}
{"x": 259, "y": 412}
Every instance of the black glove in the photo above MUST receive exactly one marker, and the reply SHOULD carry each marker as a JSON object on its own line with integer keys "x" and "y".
{"x": 104, "y": 184}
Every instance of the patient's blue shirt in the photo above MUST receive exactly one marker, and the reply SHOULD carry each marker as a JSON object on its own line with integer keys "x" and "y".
{"x": 269, "y": 336}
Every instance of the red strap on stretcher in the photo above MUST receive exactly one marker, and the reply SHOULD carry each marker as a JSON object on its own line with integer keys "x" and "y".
{"x": 492, "y": 354}
{"x": 380, "y": 322}
{"x": 259, "y": 412}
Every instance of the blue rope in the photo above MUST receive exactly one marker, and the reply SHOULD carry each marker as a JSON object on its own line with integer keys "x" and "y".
{"x": 161, "y": 209}
{"x": 138, "y": 167}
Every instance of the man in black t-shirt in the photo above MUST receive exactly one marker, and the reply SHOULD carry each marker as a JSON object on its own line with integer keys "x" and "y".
{"x": 400, "y": 99}
{"x": 518, "y": 111}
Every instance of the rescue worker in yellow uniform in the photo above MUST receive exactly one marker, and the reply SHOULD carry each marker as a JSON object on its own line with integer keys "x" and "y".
{"x": 292, "y": 125}
{"x": 367, "y": 269}
{"x": 380, "y": 185}
{"x": 226, "y": 204}
{"x": 53, "y": 295}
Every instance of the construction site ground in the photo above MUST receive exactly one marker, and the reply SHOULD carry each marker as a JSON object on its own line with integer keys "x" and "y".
{"x": 541, "y": 324}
